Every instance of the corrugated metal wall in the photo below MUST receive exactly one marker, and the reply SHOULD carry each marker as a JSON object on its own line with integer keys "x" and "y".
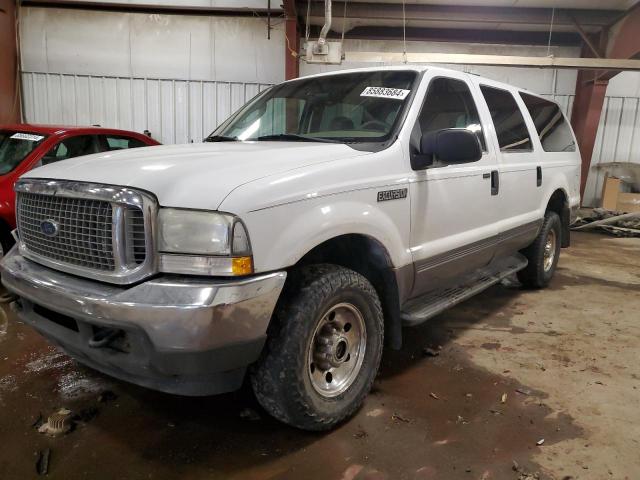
{"x": 173, "y": 110}
{"x": 618, "y": 140}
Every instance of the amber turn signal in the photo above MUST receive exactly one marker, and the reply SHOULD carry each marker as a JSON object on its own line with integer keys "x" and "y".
{"x": 241, "y": 265}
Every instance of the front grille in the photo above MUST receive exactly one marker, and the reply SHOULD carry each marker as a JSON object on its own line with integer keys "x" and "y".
{"x": 84, "y": 234}
{"x": 103, "y": 232}
{"x": 136, "y": 236}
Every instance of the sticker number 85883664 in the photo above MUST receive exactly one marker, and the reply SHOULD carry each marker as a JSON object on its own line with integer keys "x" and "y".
{"x": 383, "y": 92}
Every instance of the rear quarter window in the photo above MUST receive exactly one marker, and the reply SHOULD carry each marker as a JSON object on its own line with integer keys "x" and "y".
{"x": 552, "y": 126}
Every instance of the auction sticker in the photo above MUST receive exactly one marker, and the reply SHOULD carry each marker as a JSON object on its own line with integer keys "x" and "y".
{"x": 27, "y": 136}
{"x": 383, "y": 92}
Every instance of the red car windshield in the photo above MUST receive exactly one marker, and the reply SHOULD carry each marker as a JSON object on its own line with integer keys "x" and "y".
{"x": 14, "y": 147}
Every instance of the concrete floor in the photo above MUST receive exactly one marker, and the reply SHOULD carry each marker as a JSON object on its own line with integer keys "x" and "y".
{"x": 565, "y": 361}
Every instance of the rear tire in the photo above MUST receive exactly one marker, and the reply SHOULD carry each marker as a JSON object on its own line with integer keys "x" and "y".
{"x": 543, "y": 254}
{"x": 323, "y": 349}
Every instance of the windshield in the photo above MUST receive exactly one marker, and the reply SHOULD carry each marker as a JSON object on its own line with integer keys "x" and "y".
{"x": 347, "y": 108}
{"x": 14, "y": 147}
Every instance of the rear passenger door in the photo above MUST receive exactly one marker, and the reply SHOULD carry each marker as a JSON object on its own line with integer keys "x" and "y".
{"x": 454, "y": 209}
{"x": 520, "y": 174}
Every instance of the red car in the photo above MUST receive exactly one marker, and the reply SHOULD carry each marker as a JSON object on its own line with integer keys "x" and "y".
{"x": 24, "y": 147}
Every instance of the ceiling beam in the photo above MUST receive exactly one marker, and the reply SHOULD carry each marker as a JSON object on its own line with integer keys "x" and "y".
{"x": 496, "y": 60}
{"x": 472, "y": 15}
{"x": 504, "y": 37}
{"x": 586, "y": 39}
{"x": 624, "y": 40}
{"x": 151, "y": 9}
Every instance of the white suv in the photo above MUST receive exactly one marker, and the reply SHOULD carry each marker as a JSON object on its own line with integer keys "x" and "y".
{"x": 299, "y": 238}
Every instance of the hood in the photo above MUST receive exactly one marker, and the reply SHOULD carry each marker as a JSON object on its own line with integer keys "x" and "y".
{"x": 194, "y": 175}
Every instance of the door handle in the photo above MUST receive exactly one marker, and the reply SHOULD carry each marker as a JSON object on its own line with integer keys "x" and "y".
{"x": 495, "y": 182}
{"x": 539, "y": 176}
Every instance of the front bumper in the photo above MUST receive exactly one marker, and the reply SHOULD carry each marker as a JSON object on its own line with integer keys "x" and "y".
{"x": 184, "y": 335}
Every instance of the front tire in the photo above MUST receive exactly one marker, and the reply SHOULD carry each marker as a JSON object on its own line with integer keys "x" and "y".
{"x": 323, "y": 349}
{"x": 543, "y": 254}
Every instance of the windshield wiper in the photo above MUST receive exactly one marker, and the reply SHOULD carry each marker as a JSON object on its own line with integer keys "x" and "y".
{"x": 220, "y": 138}
{"x": 292, "y": 137}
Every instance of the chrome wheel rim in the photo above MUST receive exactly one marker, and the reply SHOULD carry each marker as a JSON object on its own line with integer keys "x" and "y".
{"x": 549, "y": 250}
{"x": 336, "y": 351}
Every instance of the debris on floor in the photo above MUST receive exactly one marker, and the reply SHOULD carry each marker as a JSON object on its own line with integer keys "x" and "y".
{"x": 58, "y": 423}
{"x": 42, "y": 461}
{"x": 249, "y": 414}
{"x": 397, "y": 416}
{"x": 37, "y": 421}
{"x": 430, "y": 352}
{"x": 360, "y": 434}
{"x": 523, "y": 475}
{"x": 614, "y": 223}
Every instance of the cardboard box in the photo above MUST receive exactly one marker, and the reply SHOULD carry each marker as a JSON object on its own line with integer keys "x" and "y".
{"x": 610, "y": 192}
{"x": 628, "y": 202}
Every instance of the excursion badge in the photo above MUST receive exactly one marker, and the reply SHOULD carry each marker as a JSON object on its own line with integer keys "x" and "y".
{"x": 386, "y": 195}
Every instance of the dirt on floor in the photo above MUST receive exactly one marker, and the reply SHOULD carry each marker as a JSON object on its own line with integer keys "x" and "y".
{"x": 515, "y": 385}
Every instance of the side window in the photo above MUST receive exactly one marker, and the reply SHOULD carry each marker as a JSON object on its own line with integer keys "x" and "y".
{"x": 508, "y": 121}
{"x": 117, "y": 142}
{"x": 70, "y": 148}
{"x": 449, "y": 104}
{"x": 552, "y": 127}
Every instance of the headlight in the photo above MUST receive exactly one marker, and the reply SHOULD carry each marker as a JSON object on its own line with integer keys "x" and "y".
{"x": 203, "y": 243}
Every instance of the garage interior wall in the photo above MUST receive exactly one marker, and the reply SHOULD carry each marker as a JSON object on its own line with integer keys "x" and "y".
{"x": 179, "y": 76}
{"x": 176, "y": 76}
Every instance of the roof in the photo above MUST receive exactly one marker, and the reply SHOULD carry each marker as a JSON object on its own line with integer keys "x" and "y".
{"x": 60, "y": 129}
{"x": 413, "y": 68}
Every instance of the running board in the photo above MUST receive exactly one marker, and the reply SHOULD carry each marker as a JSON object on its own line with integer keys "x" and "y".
{"x": 423, "y": 308}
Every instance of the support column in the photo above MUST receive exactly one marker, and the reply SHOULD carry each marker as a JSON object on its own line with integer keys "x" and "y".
{"x": 587, "y": 107}
{"x": 585, "y": 118}
{"x": 292, "y": 41}
{"x": 9, "y": 98}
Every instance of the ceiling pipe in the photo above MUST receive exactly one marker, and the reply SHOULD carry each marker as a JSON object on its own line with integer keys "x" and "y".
{"x": 322, "y": 39}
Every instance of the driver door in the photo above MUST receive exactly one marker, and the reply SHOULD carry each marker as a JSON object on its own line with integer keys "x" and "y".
{"x": 455, "y": 208}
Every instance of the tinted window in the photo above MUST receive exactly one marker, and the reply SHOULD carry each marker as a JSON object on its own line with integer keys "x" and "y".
{"x": 449, "y": 104}
{"x": 508, "y": 121}
{"x": 70, "y": 148}
{"x": 14, "y": 147}
{"x": 116, "y": 142}
{"x": 552, "y": 127}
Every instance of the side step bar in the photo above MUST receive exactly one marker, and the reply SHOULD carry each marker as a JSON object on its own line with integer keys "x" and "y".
{"x": 423, "y": 308}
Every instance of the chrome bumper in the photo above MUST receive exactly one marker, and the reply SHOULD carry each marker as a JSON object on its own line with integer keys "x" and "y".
{"x": 180, "y": 330}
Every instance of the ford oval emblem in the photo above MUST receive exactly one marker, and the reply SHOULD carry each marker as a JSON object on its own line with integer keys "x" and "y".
{"x": 49, "y": 228}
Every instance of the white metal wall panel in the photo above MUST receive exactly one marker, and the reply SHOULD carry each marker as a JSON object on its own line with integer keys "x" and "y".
{"x": 230, "y": 49}
{"x": 618, "y": 140}
{"x": 174, "y": 111}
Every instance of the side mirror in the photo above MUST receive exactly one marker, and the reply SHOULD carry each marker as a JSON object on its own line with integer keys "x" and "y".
{"x": 447, "y": 146}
